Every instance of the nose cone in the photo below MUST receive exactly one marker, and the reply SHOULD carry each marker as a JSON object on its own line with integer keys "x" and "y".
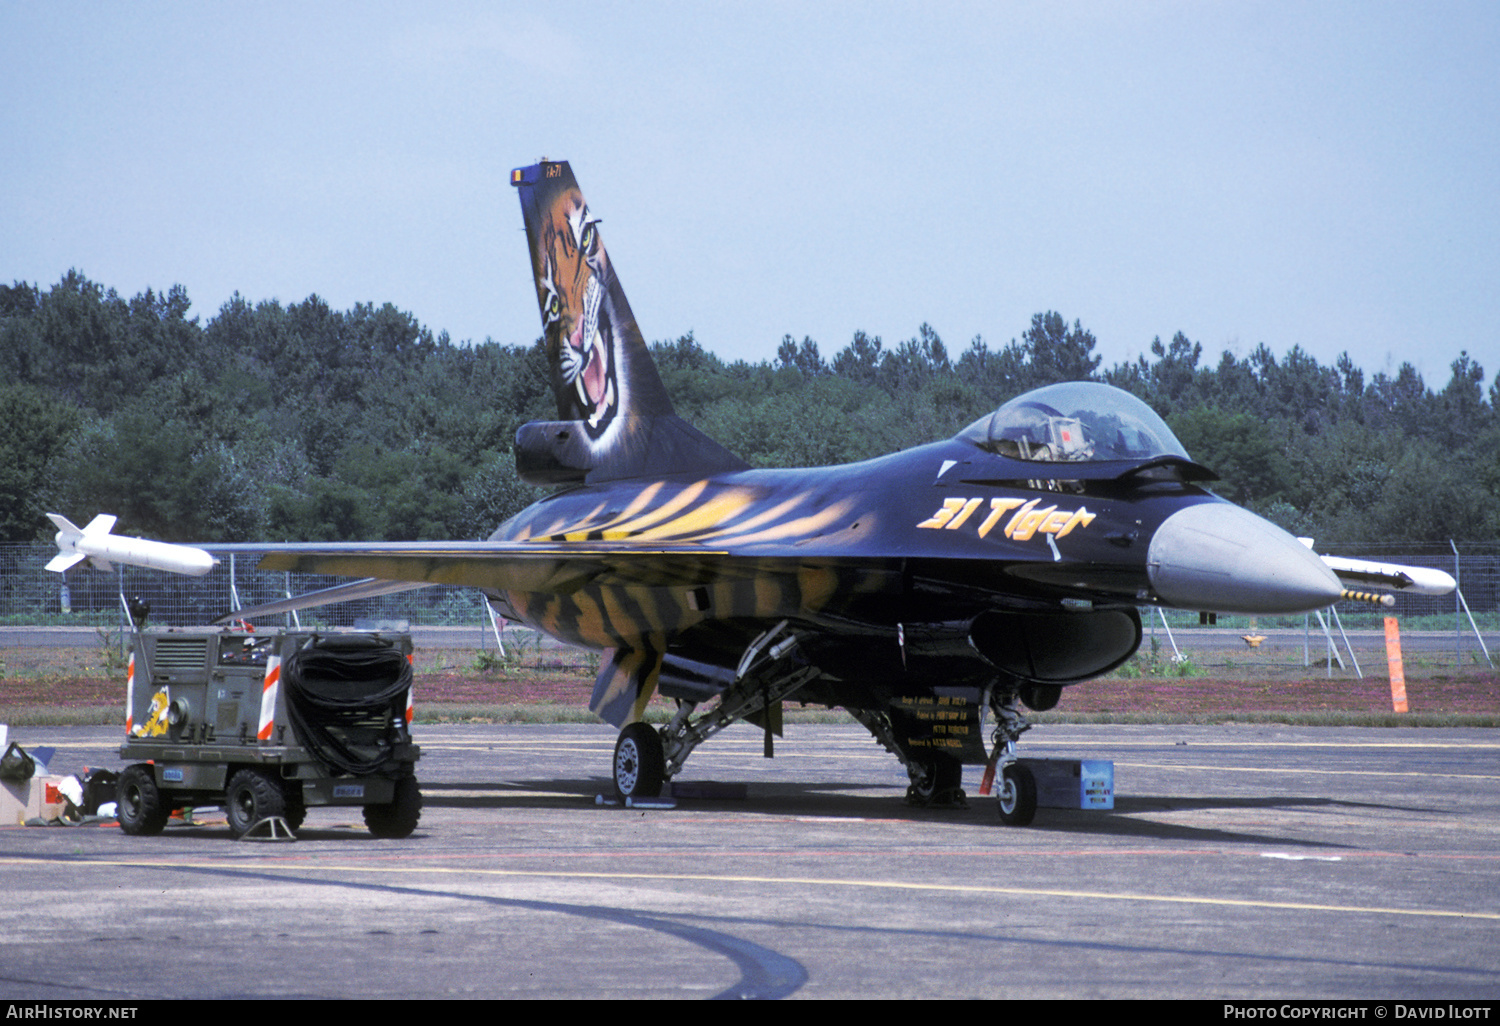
{"x": 1220, "y": 558}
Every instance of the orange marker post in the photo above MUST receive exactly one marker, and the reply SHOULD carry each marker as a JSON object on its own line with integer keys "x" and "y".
{"x": 1393, "y": 658}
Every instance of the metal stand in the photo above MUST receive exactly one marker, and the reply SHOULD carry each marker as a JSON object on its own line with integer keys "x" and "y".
{"x": 272, "y": 828}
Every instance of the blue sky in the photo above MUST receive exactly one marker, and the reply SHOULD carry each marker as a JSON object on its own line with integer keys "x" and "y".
{"x": 1316, "y": 174}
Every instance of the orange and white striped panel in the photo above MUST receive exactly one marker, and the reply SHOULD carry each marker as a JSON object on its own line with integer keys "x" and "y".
{"x": 410, "y": 705}
{"x": 130, "y": 694}
{"x": 268, "y": 699}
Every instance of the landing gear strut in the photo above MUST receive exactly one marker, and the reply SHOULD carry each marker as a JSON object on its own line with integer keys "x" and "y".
{"x": 1017, "y": 791}
{"x": 936, "y": 780}
{"x": 769, "y": 671}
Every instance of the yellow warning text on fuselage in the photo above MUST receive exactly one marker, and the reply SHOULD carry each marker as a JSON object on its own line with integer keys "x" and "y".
{"x": 1024, "y": 519}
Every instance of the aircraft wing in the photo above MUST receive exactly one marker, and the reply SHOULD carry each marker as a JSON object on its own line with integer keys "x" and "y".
{"x": 507, "y": 566}
{"x": 527, "y": 566}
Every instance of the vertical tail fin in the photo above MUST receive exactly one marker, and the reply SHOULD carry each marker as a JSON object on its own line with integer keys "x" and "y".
{"x": 616, "y": 419}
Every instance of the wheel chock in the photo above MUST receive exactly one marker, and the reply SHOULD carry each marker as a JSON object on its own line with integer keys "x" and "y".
{"x": 649, "y": 803}
{"x": 272, "y": 828}
{"x": 634, "y": 803}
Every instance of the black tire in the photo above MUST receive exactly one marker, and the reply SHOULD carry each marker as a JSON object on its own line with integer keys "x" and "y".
{"x": 940, "y": 785}
{"x": 1017, "y": 796}
{"x": 399, "y": 818}
{"x": 640, "y": 762}
{"x": 1041, "y": 697}
{"x": 296, "y": 808}
{"x": 252, "y": 796}
{"x": 139, "y": 803}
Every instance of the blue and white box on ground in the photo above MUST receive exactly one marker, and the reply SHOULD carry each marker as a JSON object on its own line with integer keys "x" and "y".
{"x": 1073, "y": 783}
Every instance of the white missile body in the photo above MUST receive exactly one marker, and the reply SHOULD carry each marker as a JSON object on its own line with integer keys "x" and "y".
{"x": 1408, "y": 580}
{"x": 95, "y": 544}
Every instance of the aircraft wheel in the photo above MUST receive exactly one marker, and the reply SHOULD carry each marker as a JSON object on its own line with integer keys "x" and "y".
{"x": 252, "y": 797}
{"x": 939, "y": 784}
{"x": 1017, "y": 796}
{"x": 141, "y": 808}
{"x": 640, "y": 762}
{"x": 399, "y": 818}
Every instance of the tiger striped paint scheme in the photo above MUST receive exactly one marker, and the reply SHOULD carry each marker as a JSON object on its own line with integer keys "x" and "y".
{"x": 973, "y": 563}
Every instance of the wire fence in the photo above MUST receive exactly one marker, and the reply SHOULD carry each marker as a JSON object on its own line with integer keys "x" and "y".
{"x": 31, "y": 594}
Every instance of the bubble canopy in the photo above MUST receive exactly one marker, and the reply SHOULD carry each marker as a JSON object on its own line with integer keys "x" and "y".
{"x": 1074, "y": 422}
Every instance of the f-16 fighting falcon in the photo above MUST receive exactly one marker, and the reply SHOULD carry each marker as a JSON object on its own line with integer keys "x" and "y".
{"x": 935, "y": 593}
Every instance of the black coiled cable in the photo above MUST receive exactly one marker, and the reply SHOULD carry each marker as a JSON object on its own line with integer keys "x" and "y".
{"x": 346, "y": 698}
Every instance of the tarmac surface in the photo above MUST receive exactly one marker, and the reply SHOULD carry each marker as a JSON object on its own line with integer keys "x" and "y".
{"x": 1239, "y": 862}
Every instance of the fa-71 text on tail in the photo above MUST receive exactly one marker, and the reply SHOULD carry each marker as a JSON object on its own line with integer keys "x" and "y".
{"x": 933, "y": 593}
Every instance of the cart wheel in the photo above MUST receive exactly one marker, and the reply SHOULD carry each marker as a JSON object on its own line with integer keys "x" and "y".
{"x": 140, "y": 805}
{"x": 399, "y": 818}
{"x": 296, "y": 807}
{"x": 252, "y": 797}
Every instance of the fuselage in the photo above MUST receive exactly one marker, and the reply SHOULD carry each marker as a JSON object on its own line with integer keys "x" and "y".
{"x": 936, "y": 533}
{"x": 1023, "y": 545}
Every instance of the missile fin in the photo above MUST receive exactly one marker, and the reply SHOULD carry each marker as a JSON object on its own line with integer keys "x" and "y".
{"x": 63, "y": 523}
{"x": 64, "y": 561}
{"x": 102, "y": 524}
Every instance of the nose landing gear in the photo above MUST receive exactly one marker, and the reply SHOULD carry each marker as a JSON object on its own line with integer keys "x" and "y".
{"x": 1017, "y": 796}
{"x": 1017, "y": 791}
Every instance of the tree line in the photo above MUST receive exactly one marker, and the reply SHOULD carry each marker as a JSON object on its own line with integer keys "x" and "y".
{"x": 298, "y": 422}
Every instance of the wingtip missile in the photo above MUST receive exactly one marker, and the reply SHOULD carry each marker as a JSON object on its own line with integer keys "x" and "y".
{"x": 1406, "y": 580}
{"x": 95, "y": 543}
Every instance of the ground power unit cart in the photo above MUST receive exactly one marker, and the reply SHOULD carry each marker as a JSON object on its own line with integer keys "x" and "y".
{"x": 268, "y": 724}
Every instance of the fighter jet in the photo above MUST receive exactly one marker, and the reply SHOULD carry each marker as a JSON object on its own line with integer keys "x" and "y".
{"x": 935, "y": 594}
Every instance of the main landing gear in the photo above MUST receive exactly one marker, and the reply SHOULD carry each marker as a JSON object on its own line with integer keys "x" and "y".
{"x": 935, "y": 779}
{"x": 646, "y": 758}
{"x": 640, "y": 762}
{"x": 936, "y": 783}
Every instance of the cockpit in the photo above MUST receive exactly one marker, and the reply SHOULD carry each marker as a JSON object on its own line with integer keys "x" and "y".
{"x": 1074, "y": 422}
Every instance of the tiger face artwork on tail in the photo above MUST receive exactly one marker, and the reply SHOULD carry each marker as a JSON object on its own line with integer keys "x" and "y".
{"x": 615, "y": 419}
{"x": 578, "y": 320}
